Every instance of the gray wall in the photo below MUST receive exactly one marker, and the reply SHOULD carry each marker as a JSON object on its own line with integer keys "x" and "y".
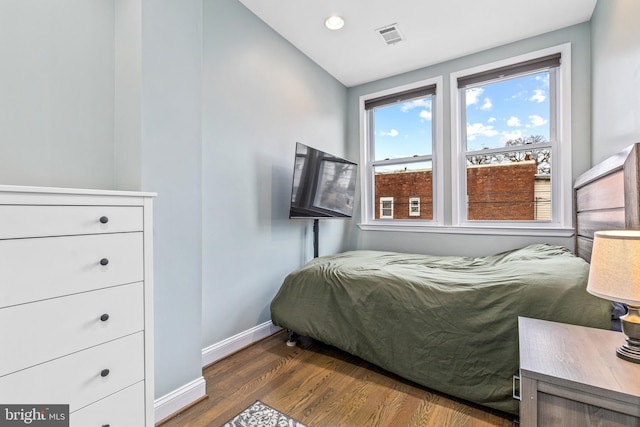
{"x": 171, "y": 98}
{"x": 107, "y": 94}
{"x": 128, "y": 99}
{"x": 616, "y": 76}
{"x": 56, "y": 93}
{"x": 261, "y": 95}
{"x": 472, "y": 245}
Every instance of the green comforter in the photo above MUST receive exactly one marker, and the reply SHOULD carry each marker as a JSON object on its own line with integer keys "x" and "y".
{"x": 448, "y": 323}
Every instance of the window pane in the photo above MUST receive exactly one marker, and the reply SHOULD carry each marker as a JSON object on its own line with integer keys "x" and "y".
{"x": 386, "y": 207}
{"x": 403, "y": 130}
{"x": 514, "y": 186}
{"x": 508, "y": 112}
{"x": 414, "y": 206}
{"x": 403, "y": 183}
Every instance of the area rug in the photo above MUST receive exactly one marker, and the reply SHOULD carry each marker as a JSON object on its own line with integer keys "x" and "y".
{"x": 261, "y": 415}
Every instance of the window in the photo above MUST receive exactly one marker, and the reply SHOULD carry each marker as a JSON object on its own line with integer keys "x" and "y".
{"x": 512, "y": 143}
{"x": 386, "y": 207}
{"x": 414, "y": 206}
{"x": 509, "y": 151}
{"x": 399, "y": 157}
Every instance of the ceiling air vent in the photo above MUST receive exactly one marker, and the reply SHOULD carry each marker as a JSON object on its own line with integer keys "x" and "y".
{"x": 390, "y": 34}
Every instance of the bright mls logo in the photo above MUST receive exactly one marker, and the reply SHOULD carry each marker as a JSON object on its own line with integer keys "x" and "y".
{"x": 34, "y": 415}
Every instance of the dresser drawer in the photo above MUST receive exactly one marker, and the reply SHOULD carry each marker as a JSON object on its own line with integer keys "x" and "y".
{"x": 55, "y": 327}
{"x": 36, "y": 269}
{"x": 123, "y": 409}
{"x": 77, "y": 379}
{"x": 18, "y": 221}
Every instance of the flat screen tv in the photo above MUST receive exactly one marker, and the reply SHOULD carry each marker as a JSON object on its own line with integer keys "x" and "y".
{"x": 324, "y": 185}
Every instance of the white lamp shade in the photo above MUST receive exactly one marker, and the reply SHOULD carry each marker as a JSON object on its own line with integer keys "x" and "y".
{"x": 615, "y": 266}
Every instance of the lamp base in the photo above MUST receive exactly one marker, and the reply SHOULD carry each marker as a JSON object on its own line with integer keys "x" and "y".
{"x": 630, "y": 351}
{"x": 631, "y": 328}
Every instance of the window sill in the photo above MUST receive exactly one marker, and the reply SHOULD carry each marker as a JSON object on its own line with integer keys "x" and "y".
{"x": 486, "y": 230}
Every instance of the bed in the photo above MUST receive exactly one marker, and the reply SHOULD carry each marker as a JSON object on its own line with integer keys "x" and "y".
{"x": 450, "y": 323}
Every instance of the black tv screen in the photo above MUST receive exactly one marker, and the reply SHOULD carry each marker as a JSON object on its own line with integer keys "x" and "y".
{"x": 324, "y": 185}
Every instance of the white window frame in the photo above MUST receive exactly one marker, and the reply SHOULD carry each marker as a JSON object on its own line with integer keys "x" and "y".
{"x": 382, "y": 207}
{"x": 367, "y": 178}
{"x": 562, "y": 192}
{"x": 412, "y": 201}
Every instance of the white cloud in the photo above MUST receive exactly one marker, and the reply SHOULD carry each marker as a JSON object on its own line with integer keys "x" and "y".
{"x": 491, "y": 120}
{"x": 538, "y": 96}
{"x": 544, "y": 78}
{"x": 418, "y": 103}
{"x": 487, "y": 104}
{"x": 507, "y": 136}
{"x": 473, "y": 94}
{"x": 424, "y": 103}
{"x": 513, "y": 121}
{"x": 537, "y": 120}
{"x": 475, "y": 129}
{"x": 392, "y": 133}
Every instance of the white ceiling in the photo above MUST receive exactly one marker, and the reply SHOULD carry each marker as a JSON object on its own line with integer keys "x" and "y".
{"x": 434, "y": 30}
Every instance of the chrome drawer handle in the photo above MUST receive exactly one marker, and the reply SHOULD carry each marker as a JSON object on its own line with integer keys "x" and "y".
{"x": 516, "y": 395}
{"x": 104, "y": 261}
{"x": 104, "y": 373}
{"x": 104, "y": 219}
{"x": 104, "y": 317}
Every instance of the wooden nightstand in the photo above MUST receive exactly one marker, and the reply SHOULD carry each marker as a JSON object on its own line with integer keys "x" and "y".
{"x": 570, "y": 376}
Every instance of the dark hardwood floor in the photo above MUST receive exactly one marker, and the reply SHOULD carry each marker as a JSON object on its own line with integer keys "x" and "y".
{"x": 321, "y": 386}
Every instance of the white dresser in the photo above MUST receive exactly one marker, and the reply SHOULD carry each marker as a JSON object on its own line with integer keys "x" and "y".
{"x": 76, "y": 303}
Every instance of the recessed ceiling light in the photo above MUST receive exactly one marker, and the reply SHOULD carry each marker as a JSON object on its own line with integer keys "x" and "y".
{"x": 334, "y": 22}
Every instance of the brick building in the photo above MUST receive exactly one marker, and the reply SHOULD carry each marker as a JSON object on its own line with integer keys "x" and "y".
{"x": 511, "y": 191}
{"x": 395, "y": 190}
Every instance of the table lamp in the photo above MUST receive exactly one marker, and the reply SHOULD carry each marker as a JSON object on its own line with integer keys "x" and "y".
{"x": 615, "y": 275}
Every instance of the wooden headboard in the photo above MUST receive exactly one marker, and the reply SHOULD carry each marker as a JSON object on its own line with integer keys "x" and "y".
{"x": 607, "y": 198}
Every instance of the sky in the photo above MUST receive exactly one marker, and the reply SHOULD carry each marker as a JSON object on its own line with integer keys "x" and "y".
{"x": 496, "y": 113}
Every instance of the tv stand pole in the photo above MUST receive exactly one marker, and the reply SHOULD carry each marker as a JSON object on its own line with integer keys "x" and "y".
{"x": 316, "y": 228}
{"x": 292, "y": 341}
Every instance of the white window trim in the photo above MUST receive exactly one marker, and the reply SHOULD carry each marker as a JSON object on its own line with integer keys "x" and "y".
{"x": 411, "y": 201}
{"x": 368, "y": 203}
{"x": 561, "y": 172}
{"x": 382, "y": 200}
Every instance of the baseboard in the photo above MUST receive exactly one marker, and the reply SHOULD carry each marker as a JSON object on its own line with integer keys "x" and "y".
{"x": 224, "y": 348}
{"x": 194, "y": 391}
{"x": 180, "y": 398}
